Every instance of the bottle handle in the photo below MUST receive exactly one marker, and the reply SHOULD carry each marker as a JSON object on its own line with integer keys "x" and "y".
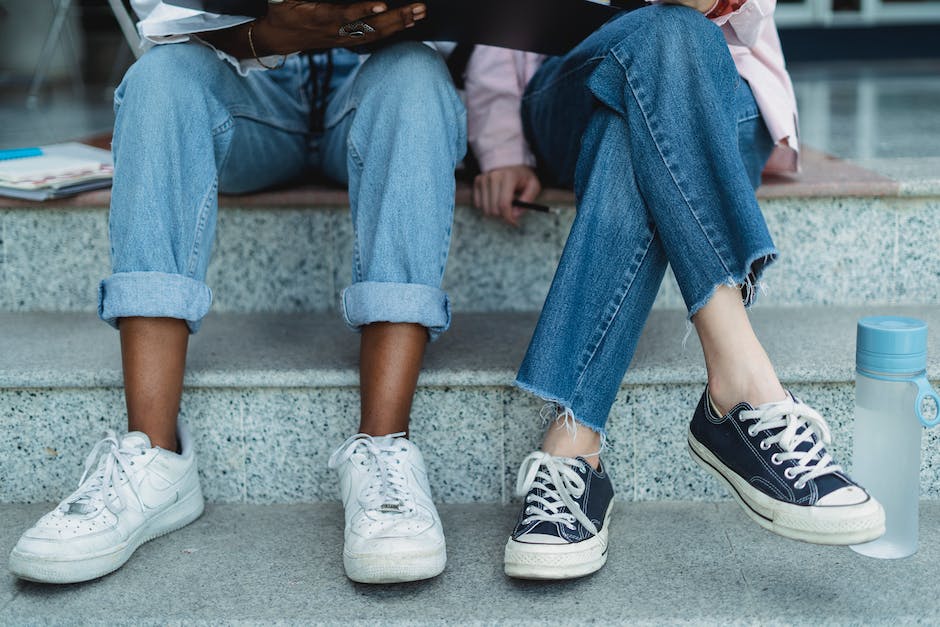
{"x": 924, "y": 391}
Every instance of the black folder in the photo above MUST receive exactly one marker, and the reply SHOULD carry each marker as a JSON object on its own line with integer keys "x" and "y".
{"x": 546, "y": 26}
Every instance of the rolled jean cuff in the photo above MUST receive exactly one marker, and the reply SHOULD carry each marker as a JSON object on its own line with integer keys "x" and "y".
{"x": 370, "y": 301}
{"x": 153, "y": 295}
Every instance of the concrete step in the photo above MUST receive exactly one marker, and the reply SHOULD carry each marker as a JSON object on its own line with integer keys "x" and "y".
{"x": 670, "y": 564}
{"x": 271, "y": 395}
{"x": 848, "y": 236}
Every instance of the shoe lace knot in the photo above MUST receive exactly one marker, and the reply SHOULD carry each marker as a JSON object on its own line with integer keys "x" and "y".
{"x": 551, "y": 485}
{"x": 387, "y": 492}
{"x": 105, "y": 466}
{"x": 802, "y": 435}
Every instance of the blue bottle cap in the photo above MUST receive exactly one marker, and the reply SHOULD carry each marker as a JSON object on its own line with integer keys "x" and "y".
{"x": 891, "y": 345}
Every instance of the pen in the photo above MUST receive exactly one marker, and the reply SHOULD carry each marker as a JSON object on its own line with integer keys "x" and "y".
{"x": 531, "y": 205}
{"x": 19, "y": 153}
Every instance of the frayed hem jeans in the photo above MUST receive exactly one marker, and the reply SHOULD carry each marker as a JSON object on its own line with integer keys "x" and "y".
{"x": 189, "y": 125}
{"x": 664, "y": 144}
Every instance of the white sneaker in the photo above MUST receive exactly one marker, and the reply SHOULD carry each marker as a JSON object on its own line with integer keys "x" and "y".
{"x": 130, "y": 493}
{"x": 393, "y": 532}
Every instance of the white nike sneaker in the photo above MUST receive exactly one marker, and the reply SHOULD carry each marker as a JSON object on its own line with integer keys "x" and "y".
{"x": 130, "y": 493}
{"x": 393, "y": 532}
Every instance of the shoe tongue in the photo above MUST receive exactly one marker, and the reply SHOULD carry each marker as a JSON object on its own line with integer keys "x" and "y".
{"x": 136, "y": 439}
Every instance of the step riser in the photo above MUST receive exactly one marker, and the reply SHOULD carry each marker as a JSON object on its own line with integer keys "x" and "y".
{"x": 834, "y": 251}
{"x": 271, "y": 445}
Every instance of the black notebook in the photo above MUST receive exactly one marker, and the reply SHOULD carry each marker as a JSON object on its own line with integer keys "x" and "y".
{"x": 545, "y": 26}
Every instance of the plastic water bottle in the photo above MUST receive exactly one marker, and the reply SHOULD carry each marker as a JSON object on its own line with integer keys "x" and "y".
{"x": 891, "y": 388}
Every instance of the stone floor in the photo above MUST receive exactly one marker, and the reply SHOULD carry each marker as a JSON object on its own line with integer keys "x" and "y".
{"x": 670, "y": 563}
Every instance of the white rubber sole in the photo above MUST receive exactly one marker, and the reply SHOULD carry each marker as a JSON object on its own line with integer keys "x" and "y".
{"x": 87, "y": 567}
{"x": 833, "y": 525}
{"x": 396, "y": 567}
{"x": 558, "y": 561}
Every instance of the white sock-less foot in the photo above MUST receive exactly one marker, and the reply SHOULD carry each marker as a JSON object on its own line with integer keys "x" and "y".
{"x": 393, "y": 532}
{"x": 129, "y": 494}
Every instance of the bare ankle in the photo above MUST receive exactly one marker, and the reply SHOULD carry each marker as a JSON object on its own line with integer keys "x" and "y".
{"x": 725, "y": 393}
{"x": 565, "y": 437}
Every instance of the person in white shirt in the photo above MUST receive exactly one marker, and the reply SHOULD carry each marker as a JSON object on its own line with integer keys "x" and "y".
{"x": 195, "y": 118}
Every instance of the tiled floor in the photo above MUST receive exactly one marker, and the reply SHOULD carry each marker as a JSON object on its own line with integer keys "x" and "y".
{"x": 870, "y": 111}
{"x": 852, "y": 110}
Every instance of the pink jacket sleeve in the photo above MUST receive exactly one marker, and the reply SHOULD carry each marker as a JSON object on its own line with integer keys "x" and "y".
{"x": 496, "y": 80}
{"x": 497, "y": 77}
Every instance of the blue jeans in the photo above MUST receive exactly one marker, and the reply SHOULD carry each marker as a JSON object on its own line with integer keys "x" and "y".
{"x": 664, "y": 144}
{"x": 189, "y": 126}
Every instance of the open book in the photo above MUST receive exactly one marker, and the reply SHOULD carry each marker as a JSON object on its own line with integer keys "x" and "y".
{"x": 545, "y": 26}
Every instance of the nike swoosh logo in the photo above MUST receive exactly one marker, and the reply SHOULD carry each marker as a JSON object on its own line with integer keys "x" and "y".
{"x": 156, "y": 498}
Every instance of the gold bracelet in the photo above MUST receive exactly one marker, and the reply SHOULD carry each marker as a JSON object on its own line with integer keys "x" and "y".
{"x": 251, "y": 44}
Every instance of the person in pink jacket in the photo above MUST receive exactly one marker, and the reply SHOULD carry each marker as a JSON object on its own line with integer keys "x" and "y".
{"x": 662, "y": 121}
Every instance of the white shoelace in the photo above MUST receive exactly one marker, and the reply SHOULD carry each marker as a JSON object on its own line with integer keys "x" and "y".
{"x": 556, "y": 504}
{"x": 794, "y": 423}
{"x": 388, "y": 492}
{"x": 102, "y": 475}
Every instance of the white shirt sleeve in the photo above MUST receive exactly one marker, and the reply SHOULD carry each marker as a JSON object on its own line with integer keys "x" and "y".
{"x": 162, "y": 23}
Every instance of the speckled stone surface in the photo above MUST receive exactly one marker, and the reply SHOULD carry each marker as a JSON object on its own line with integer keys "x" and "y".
{"x": 290, "y": 434}
{"x": 833, "y": 251}
{"x": 918, "y": 276}
{"x": 840, "y": 251}
{"x": 54, "y": 260}
{"x": 493, "y": 263}
{"x": 670, "y": 564}
{"x": 46, "y": 434}
{"x": 917, "y": 176}
{"x": 808, "y": 344}
{"x": 271, "y": 396}
{"x": 278, "y": 260}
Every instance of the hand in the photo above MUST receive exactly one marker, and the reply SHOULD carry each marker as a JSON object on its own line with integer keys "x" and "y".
{"x": 297, "y": 25}
{"x": 494, "y": 191}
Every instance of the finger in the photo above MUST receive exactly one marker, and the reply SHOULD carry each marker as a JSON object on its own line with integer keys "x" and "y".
{"x": 492, "y": 193}
{"x": 395, "y": 20}
{"x": 477, "y": 185}
{"x": 507, "y": 191}
{"x": 530, "y": 189}
{"x": 358, "y": 11}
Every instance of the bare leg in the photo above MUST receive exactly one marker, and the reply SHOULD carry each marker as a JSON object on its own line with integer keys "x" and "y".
{"x": 153, "y": 352}
{"x": 390, "y": 357}
{"x": 738, "y": 367}
{"x": 561, "y": 442}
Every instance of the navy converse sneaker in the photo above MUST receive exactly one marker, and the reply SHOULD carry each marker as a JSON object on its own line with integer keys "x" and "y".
{"x": 772, "y": 459}
{"x": 562, "y": 530}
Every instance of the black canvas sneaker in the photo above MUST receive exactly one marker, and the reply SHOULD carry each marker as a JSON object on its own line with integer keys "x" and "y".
{"x": 773, "y": 460}
{"x": 562, "y": 530}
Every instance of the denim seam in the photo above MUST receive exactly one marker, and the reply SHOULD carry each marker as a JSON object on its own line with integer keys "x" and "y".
{"x": 235, "y": 113}
{"x": 606, "y": 325}
{"x": 558, "y": 79}
{"x": 200, "y": 228}
{"x": 672, "y": 175}
{"x": 226, "y": 125}
{"x": 354, "y": 152}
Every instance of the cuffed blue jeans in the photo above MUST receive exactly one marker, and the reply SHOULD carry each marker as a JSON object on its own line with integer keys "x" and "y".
{"x": 189, "y": 126}
{"x": 663, "y": 142}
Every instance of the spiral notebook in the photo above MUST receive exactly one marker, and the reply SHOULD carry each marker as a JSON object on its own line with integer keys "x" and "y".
{"x": 546, "y": 26}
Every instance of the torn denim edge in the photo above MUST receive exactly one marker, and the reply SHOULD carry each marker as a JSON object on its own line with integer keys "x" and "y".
{"x": 749, "y": 281}
{"x": 562, "y": 411}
